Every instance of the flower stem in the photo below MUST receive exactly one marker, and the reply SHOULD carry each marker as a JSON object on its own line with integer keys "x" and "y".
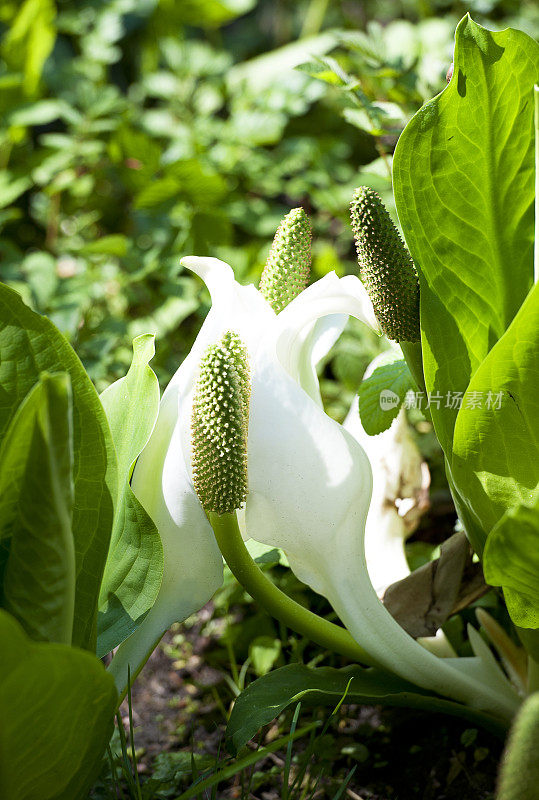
{"x": 277, "y": 603}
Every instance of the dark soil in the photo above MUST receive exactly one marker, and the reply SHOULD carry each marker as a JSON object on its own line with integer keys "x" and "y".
{"x": 179, "y": 705}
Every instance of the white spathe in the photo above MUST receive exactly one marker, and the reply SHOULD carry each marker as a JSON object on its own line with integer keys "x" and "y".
{"x": 309, "y": 485}
{"x": 283, "y": 352}
{"x": 308, "y": 480}
{"x": 399, "y": 480}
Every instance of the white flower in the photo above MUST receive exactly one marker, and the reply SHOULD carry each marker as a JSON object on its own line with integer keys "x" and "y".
{"x": 309, "y": 486}
{"x": 295, "y": 451}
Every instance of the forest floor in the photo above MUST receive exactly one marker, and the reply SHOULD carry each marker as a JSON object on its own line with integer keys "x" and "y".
{"x": 179, "y": 705}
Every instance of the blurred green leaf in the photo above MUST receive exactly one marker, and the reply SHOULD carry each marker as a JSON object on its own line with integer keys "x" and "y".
{"x": 68, "y": 700}
{"x": 183, "y": 179}
{"x": 30, "y": 345}
{"x": 40, "y": 270}
{"x": 264, "y": 652}
{"x": 202, "y": 186}
{"x": 323, "y": 70}
{"x": 11, "y": 188}
{"x": 157, "y": 192}
{"x": 30, "y": 40}
{"x": 168, "y": 316}
{"x": 205, "y": 13}
{"x": 266, "y": 69}
{"x": 36, "y": 509}
{"x": 113, "y": 245}
{"x": 40, "y": 113}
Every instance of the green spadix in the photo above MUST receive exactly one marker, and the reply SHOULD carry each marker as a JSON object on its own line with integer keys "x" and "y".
{"x": 219, "y": 426}
{"x": 287, "y": 269}
{"x": 385, "y": 267}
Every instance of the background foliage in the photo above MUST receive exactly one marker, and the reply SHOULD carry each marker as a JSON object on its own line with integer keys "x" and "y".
{"x": 137, "y": 131}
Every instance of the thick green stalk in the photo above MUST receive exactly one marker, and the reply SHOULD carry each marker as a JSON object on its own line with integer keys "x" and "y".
{"x": 277, "y": 603}
{"x": 414, "y": 358}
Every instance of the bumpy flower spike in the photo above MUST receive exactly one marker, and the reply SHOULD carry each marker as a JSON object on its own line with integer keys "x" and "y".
{"x": 287, "y": 269}
{"x": 219, "y": 424}
{"x": 219, "y": 460}
{"x": 385, "y": 267}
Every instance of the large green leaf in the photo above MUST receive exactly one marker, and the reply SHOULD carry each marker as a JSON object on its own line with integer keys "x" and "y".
{"x": 30, "y": 345}
{"x": 471, "y": 522}
{"x": 36, "y": 487}
{"x": 265, "y": 698}
{"x": 57, "y": 709}
{"x": 511, "y": 560}
{"x": 134, "y": 567}
{"x": 464, "y": 189}
{"x": 496, "y": 442}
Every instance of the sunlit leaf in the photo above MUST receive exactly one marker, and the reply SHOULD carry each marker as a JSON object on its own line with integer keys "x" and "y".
{"x": 464, "y": 188}
{"x": 496, "y": 442}
{"x": 30, "y": 40}
{"x": 511, "y": 560}
{"x": 134, "y": 567}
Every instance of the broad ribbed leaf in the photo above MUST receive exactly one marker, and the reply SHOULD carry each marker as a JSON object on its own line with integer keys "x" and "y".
{"x": 511, "y": 560}
{"x": 265, "y": 698}
{"x": 464, "y": 189}
{"x": 496, "y": 442}
{"x": 36, "y": 487}
{"x": 30, "y": 345}
{"x": 134, "y": 567}
{"x": 57, "y": 709}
